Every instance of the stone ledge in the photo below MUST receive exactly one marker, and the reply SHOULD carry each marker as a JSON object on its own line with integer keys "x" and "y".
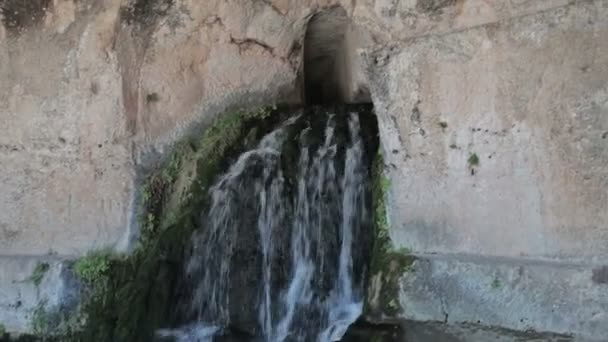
{"x": 522, "y": 295}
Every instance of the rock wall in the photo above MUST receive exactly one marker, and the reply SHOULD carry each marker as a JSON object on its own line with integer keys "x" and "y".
{"x": 496, "y": 142}
{"x": 492, "y": 116}
{"x": 527, "y": 99}
{"x": 92, "y": 92}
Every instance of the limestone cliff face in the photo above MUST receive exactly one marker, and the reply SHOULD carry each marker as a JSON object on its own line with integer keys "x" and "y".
{"x": 90, "y": 91}
{"x": 93, "y": 92}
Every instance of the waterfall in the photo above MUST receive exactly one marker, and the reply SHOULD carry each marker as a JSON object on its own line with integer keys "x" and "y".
{"x": 280, "y": 253}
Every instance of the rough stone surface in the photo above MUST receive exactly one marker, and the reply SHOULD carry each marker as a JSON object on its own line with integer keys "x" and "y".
{"x": 512, "y": 293}
{"x": 528, "y": 98}
{"x": 20, "y": 296}
{"x": 494, "y": 138}
{"x": 439, "y": 332}
{"x": 103, "y": 91}
{"x": 92, "y": 93}
{"x": 396, "y": 21}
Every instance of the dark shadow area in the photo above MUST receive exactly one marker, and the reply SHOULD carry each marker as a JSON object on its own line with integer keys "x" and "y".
{"x": 21, "y": 14}
{"x": 332, "y": 67}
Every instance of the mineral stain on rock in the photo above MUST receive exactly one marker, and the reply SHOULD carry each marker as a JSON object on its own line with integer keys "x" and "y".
{"x": 600, "y": 275}
{"x": 18, "y": 15}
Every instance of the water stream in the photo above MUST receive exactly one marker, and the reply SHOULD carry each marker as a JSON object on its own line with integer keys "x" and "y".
{"x": 281, "y": 252}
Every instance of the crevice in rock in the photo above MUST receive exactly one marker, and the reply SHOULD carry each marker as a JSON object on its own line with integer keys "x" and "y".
{"x": 245, "y": 44}
{"x": 332, "y": 71}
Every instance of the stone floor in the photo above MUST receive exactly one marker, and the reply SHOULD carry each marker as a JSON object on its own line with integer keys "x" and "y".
{"x": 438, "y": 332}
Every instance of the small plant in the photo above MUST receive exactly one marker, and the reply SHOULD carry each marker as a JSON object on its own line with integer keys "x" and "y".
{"x": 146, "y": 194}
{"x": 496, "y": 284}
{"x": 473, "y": 160}
{"x": 443, "y": 124}
{"x": 404, "y": 250}
{"x": 152, "y": 97}
{"x": 39, "y": 272}
{"x": 40, "y": 323}
{"x": 2, "y": 331}
{"x": 93, "y": 266}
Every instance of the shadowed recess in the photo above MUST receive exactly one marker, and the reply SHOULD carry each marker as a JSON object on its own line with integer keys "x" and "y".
{"x": 332, "y": 68}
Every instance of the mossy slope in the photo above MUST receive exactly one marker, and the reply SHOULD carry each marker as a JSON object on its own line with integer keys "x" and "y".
{"x": 388, "y": 264}
{"x": 128, "y": 297}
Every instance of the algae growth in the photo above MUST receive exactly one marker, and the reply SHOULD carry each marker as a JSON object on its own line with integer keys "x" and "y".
{"x": 127, "y": 297}
{"x": 388, "y": 264}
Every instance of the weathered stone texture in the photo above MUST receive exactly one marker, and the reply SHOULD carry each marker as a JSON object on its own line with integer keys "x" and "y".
{"x": 93, "y": 92}
{"x": 512, "y": 293}
{"x": 22, "y": 298}
{"x": 90, "y": 91}
{"x": 528, "y": 97}
{"x": 495, "y": 140}
{"x": 87, "y": 94}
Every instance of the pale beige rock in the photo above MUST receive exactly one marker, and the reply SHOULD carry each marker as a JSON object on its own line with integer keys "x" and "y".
{"x": 517, "y": 239}
{"x": 78, "y": 111}
{"x": 394, "y": 21}
{"x": 61, "y": 15}
{"x": 529, "y": 98}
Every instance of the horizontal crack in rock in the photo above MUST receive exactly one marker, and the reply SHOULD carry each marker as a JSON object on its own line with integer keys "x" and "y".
{"x": 245, "y": 44}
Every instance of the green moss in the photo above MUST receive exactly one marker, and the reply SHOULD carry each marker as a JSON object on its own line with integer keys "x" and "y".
{"x": 94, "y": 266}
{"x": 38, "y": 273}
{"x": 152, "y": 97}
{"x": 129, "y": 296}
{"x": 473, "y": 160}
{"x": 388, "y": 264}
{"x": 41, "y": 321}
{"x": 52, "y": 324}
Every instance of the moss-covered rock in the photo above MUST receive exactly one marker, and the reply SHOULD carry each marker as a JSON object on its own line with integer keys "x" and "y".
{"x": 388, "y": 264}
{"x": 127, "y": 297}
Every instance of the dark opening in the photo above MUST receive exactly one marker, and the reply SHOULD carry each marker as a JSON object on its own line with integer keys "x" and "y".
{"x": 332, "y": 67}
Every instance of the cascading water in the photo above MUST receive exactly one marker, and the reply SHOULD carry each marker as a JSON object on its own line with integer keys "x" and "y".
{"x": 280, "y": 254}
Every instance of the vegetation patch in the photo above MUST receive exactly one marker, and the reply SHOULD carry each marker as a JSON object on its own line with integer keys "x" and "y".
{"x": 128, "y": 297}
{"x": 388, "y": 264}
{"x": 94, "y": 266}
{"x": 38, "y": 273}
{"x": 52, "y": 325}
{"x": 41, "y": 321}
{"x": 473, "y": 160}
